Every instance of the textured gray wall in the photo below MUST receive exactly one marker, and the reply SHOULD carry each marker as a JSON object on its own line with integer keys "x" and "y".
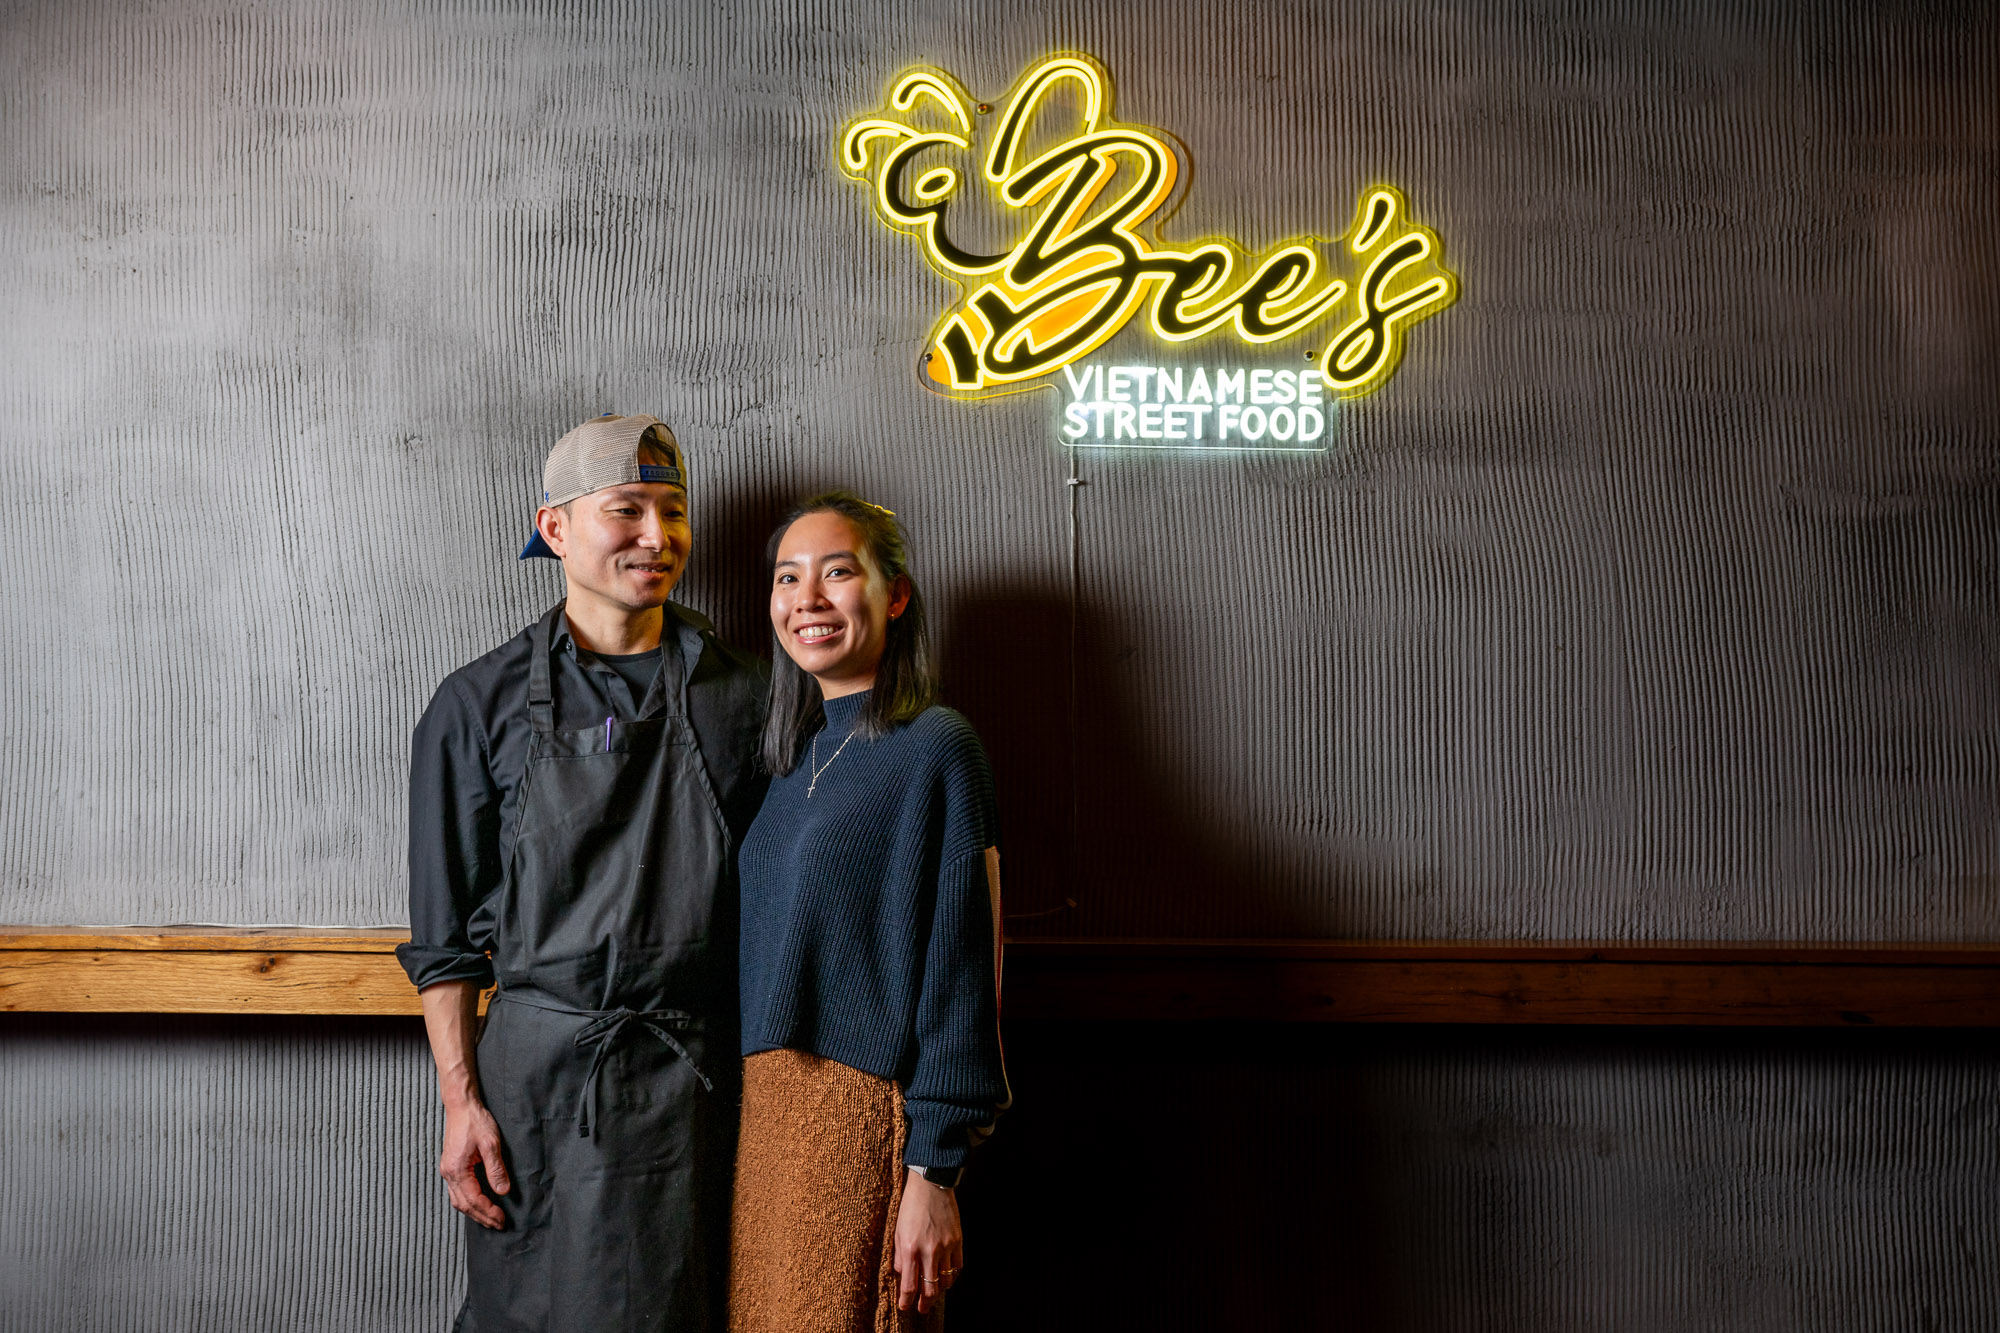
{"x": 1448, "y": 1180}
{"x": 183, "y": 1175}
{"x": 1656, "y": 596}
{"x": 192, "y": 1176}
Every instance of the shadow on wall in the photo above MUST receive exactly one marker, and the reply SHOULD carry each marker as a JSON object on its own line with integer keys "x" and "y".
{"x": 1186, "y": 1177}
{"x": 1431, "y": 1179}
{"x": 1116, "y": 1195}
{"x": 1100, "y": 836}
{"x": 726, "y": 576}
{"x": 1091, "y": 815}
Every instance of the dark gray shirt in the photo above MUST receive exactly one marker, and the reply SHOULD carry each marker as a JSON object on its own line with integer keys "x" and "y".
{"x": 470, "y": 751}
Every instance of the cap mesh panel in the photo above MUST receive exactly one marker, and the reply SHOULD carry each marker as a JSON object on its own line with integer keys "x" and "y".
{"x": 601, "y": 453}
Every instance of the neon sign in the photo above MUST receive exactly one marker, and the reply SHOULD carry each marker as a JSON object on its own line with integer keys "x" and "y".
{"x": 1078, "y": 196}
{"x": 1183, "y": 407}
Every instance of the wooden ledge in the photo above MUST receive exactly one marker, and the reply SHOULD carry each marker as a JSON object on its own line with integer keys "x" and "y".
{"x": 1731, "y": 983}
{"x": 1711, "y": 983}
{"x": 202, "y": 970}
{"x": 1916, "y": 954}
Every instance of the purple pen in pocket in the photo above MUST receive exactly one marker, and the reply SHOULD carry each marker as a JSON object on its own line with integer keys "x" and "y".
{"x": 607, "y": 735}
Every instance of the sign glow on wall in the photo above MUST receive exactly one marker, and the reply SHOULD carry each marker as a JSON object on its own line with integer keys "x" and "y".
{"x": 1082, "y": 191}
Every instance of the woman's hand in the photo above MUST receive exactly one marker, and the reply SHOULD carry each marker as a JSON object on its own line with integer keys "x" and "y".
{"x": 930, "y": 1244}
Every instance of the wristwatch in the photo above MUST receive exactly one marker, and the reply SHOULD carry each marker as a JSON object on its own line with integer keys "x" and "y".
{"x": 944, "y": 1177}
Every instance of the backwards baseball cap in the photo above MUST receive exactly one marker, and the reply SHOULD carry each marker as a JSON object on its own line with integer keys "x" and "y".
{"x": 602, "y": 453}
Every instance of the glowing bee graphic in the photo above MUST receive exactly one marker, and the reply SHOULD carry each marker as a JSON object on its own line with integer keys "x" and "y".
{"x": 1076, "y": 187}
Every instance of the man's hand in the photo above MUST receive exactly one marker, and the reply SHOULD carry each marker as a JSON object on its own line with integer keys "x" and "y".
{"x": 471, "y": 1137}
{"x": 472, "y": 1144}
{"x": 930, "y": 1244}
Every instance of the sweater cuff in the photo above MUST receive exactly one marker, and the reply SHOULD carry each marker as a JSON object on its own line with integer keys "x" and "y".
{"x": 941, "y": 1134}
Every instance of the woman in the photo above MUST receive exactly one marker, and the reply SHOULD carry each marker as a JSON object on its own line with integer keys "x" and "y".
{"x": 870, "y": 949}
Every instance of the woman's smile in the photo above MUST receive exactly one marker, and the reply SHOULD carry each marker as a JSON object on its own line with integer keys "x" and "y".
{"x": 830, "y": 605}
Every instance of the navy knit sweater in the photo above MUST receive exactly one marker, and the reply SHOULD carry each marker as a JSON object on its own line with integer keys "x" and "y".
{"x": 868, "y": 923}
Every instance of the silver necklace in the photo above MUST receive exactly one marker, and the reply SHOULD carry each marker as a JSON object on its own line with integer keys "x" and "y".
{"x": 818, "y": 767}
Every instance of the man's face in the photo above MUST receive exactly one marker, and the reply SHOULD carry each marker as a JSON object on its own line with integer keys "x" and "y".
{"x": 624, "y": 547}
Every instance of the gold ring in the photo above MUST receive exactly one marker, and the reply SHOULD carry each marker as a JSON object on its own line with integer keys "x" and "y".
{"x": 947, "y": 1272}
{"x": 930, "y": 1282}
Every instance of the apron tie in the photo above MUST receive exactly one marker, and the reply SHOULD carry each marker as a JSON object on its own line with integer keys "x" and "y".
{"x": 603, "y": 1033}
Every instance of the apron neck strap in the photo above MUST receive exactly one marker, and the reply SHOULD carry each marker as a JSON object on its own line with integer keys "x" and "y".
{"x": 680, "y": 649}
{"x": 542, "y": 699}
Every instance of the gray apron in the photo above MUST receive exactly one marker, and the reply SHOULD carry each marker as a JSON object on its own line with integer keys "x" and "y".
{"x": 615, "y": 1010}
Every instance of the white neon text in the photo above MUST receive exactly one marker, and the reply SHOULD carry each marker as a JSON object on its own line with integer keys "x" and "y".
{"x": 1194, "y": 405}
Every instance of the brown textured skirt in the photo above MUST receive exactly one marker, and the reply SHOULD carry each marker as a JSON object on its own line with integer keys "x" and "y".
{"x": 819, "y": 1177}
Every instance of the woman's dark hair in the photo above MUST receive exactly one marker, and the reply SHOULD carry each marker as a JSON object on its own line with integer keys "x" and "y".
{"x": 905, "y": 682}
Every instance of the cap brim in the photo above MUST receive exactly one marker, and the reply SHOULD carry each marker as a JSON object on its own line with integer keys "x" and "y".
{"x": 537, "y": 547}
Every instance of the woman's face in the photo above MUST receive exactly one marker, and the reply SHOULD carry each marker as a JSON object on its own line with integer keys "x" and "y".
{"x": 830, "y": 605}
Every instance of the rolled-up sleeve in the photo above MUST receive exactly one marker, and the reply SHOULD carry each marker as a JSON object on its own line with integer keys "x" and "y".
{"x": 454, "y": 842}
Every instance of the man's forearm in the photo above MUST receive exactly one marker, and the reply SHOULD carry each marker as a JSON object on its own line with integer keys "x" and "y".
{"x": 451, "y": 1020}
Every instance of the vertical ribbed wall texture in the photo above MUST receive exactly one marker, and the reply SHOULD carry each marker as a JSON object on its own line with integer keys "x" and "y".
{"x": 1655, "y": 596}
{"x": 1658, "y": 595}
{"x": 1505, "y": 1181}
{"x": 240, "y": 1176}
{"x": 194, "y": 1175}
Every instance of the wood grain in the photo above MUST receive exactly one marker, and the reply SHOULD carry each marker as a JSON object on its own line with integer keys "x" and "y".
{"x": 1500, "y": 990}
{"x": 181, "y": 981}
{"x": 1707, "y": 983}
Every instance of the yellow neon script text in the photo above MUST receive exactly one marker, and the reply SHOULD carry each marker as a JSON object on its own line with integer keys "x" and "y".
{"x": 1081, "y": 269}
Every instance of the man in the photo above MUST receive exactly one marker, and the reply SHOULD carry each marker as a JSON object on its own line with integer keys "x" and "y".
{"x": 575, "y": 798}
